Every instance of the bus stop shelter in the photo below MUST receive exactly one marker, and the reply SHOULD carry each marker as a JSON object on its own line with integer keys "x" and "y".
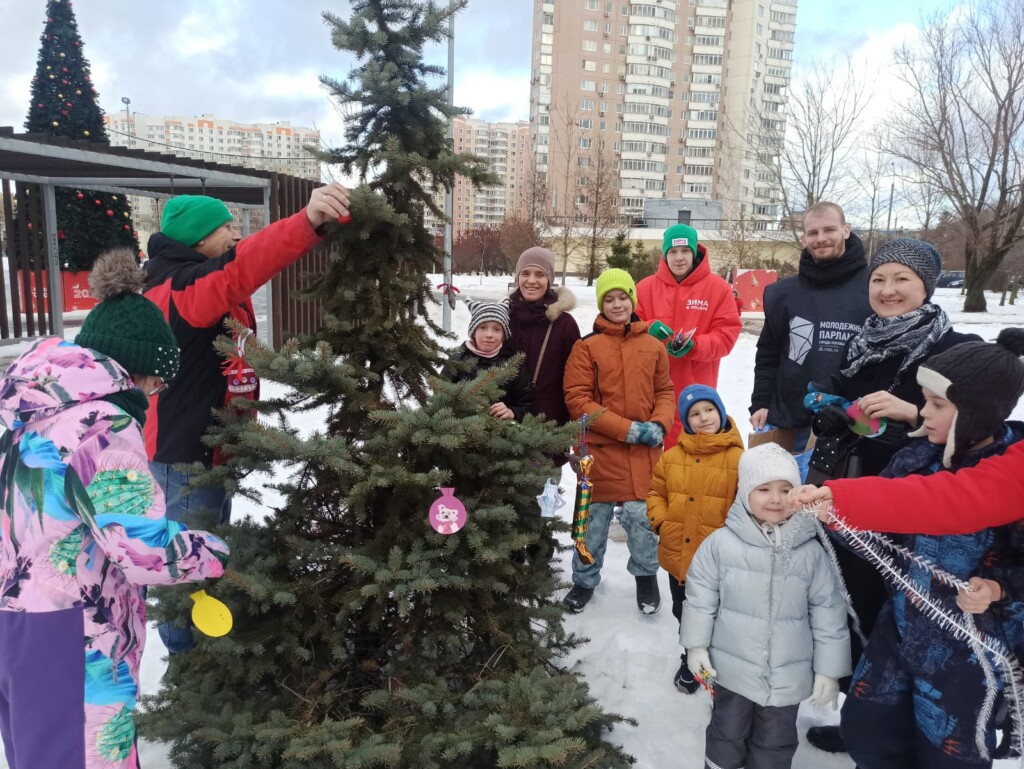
{"x": 32, "y": 166}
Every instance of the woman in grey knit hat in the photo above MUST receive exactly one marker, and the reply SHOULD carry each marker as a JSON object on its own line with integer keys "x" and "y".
{"x": 879, "y": 372}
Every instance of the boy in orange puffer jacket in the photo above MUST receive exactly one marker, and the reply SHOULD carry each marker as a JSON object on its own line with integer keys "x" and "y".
{"x": 618, "y": 376}
{"x": 693, "y": 487}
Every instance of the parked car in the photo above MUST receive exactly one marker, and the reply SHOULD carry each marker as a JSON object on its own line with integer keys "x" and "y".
{"x": 950, "y": 279}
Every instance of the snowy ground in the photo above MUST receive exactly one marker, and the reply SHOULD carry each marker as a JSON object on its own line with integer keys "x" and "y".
{"x": 631, "y": 658}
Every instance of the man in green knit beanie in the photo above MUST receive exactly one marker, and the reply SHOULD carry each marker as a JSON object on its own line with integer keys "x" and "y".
{"x": 201, "y": 274}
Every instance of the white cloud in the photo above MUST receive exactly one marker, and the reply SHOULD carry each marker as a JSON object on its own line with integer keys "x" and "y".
{"x": 493, "y": 95}
{"x": 210, "y": 29}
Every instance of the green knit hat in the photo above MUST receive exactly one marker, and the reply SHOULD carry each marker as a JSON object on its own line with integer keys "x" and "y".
{"x": 679, "y": 235}
{"x": 612, "y": 279}
{"x": 125, "y": 325}
{"x": 190, "y": 218}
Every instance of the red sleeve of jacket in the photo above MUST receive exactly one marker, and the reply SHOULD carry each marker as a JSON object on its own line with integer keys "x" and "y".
{"x": 975, "y": 498}
{"x": 725, "y": 327}
{"x": 664, "y": 392}
{"x": 256, "y": 259}
{"x": 644, "y": 300}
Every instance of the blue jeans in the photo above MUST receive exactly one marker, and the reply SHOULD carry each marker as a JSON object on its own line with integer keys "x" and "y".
{"x": 184, "y": 505}
{"x": 640, "y": 539}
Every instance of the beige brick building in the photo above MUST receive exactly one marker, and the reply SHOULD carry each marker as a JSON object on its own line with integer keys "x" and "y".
{"x": 688, "y": 95}
{"x": 266, "y": 146}
{"x": 505, "y": 146}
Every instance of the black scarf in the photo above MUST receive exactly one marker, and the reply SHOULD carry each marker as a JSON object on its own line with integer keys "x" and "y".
{"x": 132, "y": 402}
{"x": 911, "y": 336}
{"x": 834, "y": 271}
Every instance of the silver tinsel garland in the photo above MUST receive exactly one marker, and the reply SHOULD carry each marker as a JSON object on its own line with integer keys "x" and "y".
{"x": 883, "y": 553}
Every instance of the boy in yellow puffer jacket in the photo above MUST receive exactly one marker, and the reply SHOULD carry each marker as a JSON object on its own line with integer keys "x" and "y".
{"x": 693, "y": 487}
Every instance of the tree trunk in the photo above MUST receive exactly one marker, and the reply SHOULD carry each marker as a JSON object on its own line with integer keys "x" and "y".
{"x": 975, "y": 298}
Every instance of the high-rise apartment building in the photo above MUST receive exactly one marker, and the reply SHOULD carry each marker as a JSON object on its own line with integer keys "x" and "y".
{"x": 688, "y": 96}
{"x": 265, "y": 146}
{"x": 506, "y": 148}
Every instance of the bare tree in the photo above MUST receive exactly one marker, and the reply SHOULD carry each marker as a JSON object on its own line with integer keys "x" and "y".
{"x": 597, "y": 205}
{"x": 813, "y": 159}
{"x": 873, "y": 204}
{"x": 569, "y": 139}
{"x": 961, "y": 128}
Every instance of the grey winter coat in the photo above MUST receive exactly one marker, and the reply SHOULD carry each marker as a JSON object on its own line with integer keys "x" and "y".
{"x": 771, "y": 615}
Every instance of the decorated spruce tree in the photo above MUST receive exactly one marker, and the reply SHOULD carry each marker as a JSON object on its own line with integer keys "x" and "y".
{"x": 364, "y": 637}
{"x": 65, "y": 103}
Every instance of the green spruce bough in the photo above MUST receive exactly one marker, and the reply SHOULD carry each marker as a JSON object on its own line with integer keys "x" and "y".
{"x": 362, "y": 637}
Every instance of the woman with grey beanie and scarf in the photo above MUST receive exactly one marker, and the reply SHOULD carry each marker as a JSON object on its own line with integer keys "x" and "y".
{"x": 879, "y": 372}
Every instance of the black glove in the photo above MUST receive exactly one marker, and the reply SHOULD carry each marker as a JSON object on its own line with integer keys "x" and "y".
{"x": 832, "y": 420}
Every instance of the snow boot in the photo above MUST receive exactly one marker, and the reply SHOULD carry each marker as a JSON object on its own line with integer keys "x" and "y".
{"x": 684, "y": 680}
{"x": 826, "y": 738}
{"x": 577, "y": 598}
{"x": 648, "y": 599}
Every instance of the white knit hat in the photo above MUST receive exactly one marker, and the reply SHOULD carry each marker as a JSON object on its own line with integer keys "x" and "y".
{"x": 763, "y": 464}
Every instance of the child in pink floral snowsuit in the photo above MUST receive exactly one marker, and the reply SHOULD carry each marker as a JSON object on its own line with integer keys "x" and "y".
{"x": 82, "y": 532}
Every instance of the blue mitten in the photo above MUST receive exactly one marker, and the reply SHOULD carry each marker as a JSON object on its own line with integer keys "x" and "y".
{"x": 651, "y": 434}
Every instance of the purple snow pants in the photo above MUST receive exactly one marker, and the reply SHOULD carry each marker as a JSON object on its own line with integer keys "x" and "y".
{"x": 42, "y": 689}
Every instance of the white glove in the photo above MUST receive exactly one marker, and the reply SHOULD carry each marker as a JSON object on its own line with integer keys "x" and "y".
{"x": 698, "y": 658}
{"x": 825, "y": 692}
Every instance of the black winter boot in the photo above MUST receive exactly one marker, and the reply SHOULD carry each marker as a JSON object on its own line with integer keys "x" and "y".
{"x": 826, "y": 738}
{"x": 577, "y": 598}
{"x": 684, "y": 680}
{"x": 648, "y": 598}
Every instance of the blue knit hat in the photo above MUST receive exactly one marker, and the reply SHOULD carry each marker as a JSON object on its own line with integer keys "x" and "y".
{"x": 699, "y": 392}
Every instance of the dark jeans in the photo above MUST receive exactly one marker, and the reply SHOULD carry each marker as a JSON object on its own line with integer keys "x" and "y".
{"x": 742, "y": 734}
{"x": 186, "y": 505}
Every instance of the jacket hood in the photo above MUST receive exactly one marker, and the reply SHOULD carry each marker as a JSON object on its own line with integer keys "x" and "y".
{"x": 565, "y": 301}
{"x": 702, "y": 444}
{"x": 53, "y": 375}
{"x": 635, "y": 327}
{"x": 836, "y": 271}
{"x": 799, "y": 528}
{"x": 700, "y": 270}
{"x": 166, "y": 256}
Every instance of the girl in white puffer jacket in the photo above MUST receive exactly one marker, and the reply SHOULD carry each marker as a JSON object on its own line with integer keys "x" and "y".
{"x": 765, "y": 616}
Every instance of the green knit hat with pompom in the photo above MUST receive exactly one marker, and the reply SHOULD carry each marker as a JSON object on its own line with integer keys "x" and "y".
{"x": 125, "y": 325}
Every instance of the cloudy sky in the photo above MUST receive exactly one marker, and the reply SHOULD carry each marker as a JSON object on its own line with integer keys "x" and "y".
{"x": 258, "y": 60}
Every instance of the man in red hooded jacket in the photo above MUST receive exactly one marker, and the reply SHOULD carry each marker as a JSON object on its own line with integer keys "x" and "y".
{"x": 685, "y": 295}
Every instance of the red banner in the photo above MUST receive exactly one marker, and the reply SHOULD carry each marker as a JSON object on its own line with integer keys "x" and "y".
{"x": 749, "y": 285}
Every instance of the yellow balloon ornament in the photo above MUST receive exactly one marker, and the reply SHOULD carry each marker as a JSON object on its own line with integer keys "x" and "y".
{"x": 212, "y": 617}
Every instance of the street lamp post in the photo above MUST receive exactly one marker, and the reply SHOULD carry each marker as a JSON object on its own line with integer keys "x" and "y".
{"x": 892, "y": 188}
{"x": 449, "y": 202}
{"x": 128, "y": 116}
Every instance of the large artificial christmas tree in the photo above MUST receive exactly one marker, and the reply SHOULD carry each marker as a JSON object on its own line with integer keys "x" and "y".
{"x": 363, "y": 637}
{"x": 65, "y": 103}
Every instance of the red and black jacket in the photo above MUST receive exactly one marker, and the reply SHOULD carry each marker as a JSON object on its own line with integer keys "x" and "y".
{"x": 197, "y": 295}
